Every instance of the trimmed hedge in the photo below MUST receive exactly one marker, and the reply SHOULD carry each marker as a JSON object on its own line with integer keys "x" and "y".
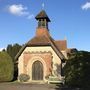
{"x": 6, "y": 67}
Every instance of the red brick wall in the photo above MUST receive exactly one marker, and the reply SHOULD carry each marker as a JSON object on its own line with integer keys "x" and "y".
{"x": 46, "y": 56}
{"x": 42, "y": 31}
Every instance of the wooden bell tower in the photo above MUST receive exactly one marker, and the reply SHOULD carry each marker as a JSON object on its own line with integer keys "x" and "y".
{"x": 42, "y": 19}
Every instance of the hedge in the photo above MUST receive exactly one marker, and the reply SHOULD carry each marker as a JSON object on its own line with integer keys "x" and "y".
{"x": 6, "y": 67}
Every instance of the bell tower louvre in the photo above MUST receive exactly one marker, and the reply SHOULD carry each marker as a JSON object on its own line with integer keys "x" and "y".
{"x": 42, "y": 19}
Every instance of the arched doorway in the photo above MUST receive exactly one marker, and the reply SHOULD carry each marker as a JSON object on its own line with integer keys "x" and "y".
{"x": 37, "y": 71}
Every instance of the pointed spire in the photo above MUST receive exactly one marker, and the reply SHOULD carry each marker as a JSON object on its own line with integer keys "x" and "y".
{"x": 42, "y": 15}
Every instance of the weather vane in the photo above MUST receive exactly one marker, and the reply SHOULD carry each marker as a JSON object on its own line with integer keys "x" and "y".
{"x": 43, "y": 5}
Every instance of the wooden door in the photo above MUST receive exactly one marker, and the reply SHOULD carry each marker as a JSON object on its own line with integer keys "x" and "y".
{"x": 37, "y": 71}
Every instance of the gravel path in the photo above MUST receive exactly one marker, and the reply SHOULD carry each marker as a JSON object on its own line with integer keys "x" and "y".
{"x": 18, "y": 86}
{"x": 8, "y": 86}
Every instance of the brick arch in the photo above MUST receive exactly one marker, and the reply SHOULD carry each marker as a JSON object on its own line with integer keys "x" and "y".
{"x": 30, "y": 63}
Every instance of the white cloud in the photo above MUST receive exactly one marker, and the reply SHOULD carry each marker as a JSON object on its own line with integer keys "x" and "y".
{"x": 19, "y": 10}
{"x": 86, "y": 6}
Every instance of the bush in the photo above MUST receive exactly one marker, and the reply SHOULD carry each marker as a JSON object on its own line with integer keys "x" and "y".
{"x": 24, "y": 77}
{"x": 12, "y": 50}
{"x": 6, "y": 67}
{"x": 77, "y": 70}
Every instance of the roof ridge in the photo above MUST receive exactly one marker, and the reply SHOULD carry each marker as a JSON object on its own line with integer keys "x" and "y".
{"x": 49, "y": 41}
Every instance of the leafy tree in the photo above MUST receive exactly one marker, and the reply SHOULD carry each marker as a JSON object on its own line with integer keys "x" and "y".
{"x": 77, "y": 70}
{"x": 12, "y": 50}
{"x": 6, "y": 67}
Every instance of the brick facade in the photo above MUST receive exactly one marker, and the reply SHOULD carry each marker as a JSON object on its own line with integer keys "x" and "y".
{"x": 46, "y": 57}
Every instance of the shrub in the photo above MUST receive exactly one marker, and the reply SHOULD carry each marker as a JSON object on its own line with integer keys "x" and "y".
{"x": 6, "y": 67}
{"x": 24, "y": 77}
{"x": 77, "y": 70}
{"x": 12, "y": 50}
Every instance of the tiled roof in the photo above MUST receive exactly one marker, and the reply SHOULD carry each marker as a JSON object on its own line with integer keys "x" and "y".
{"x": 38, "y": 40}
{"x": 61, "y": 44}
{"x": 42, "y": 41}
{"x": 42, "y": 15}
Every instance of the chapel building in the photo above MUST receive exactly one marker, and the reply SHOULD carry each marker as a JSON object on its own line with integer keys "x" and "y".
{"x": 42, "y": 56}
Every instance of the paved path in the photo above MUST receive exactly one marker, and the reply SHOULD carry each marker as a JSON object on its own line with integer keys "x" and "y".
{"x": 18, "y": 86}
{"x": 8, "y": 86}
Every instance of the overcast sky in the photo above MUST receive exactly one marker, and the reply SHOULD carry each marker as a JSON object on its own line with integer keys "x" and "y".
{"x": 70, "y": 19}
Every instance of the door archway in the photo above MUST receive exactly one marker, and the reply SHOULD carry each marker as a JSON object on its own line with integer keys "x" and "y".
{"x": 37, "y": 70}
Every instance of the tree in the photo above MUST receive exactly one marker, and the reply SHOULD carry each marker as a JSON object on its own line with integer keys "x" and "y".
{"x": 6, "y": 67}
{"x": 77, "y": 70}
{"x": 12, "y": 50}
